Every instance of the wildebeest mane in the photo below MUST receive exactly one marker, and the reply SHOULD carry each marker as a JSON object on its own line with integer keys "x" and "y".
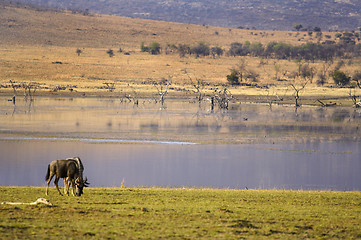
{"x": 79, "y": 165}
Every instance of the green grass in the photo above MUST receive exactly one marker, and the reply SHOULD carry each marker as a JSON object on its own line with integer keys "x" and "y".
{"x": 154, "y": 213}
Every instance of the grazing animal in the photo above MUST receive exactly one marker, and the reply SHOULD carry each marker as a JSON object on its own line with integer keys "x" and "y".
{"x": 71, "y": 170}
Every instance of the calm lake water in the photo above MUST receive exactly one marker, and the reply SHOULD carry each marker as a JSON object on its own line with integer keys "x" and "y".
{"x": 182, "y": 144}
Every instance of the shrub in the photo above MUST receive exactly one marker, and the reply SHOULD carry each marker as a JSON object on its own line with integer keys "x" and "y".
{"x": 297, "y": 26}
{"x": 110, "y": 52}
{"x": 183, "y": 49}
{"x": 144, "y": 48}
{"x": 233, "y": 78}
{"x": 201, "y": 49}
{"x": 216, "y": 51}
{"x": 236, "y": 49}
{"x": 357, "y": 78}
{"x": 153, "y": 49}
{"x": 340, "y": 78}
{"x": 78, "y": 51}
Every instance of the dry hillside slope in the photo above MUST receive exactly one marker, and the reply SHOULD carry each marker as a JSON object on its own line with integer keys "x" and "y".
{"x": 39, "y": 46}
{"x": 28, "y": 26}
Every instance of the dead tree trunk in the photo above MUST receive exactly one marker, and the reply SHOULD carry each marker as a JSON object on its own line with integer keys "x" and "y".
{"x": 14, "y": 86}
{"x": 27, "y": 90}
{"x": 357, "y": 104}
{"x": 162, "y": 93}
{"x": 198, "y": 88}
{"x": 297, "y": 92}
{"x": 222, "y": 97}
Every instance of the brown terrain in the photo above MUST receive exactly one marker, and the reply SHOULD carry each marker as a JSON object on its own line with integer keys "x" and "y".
{"x": 38, "y": 51}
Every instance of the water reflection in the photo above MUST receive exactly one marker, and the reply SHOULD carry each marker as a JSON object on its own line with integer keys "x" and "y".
{"x": 298, "y": 166}
{"x": 179, "y": 121}
{"x": 313, "y": 148}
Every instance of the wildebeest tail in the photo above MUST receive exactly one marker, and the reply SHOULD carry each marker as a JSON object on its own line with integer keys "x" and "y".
{"x": 47, "y": 173}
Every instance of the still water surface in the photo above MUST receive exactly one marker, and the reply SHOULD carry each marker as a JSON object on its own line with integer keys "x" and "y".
{"x": 182, "y": 144}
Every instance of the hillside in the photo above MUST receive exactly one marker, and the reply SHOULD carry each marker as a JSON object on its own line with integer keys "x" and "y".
{"x": 31, "y": 26}
{"x": 259, "y": 14}
{"x": 34, "y": 49}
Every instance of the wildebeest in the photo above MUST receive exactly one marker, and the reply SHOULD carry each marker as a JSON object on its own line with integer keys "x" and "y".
{"x": 71, "y": 169}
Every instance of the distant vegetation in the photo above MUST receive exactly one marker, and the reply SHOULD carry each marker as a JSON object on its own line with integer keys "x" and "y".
{"x": 308, "y": 51}
{"x": 153, "y": 49}
{"x": 346, "y": 47}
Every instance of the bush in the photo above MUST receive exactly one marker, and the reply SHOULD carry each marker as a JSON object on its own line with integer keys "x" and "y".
{"x": 110, "y": 52}
{"x": 78, "y": 51}
{"x": 144, "y": 48}
{"x": 340, "y": 78}
{"x": 236, "y": 49}
{"x": 233, "y": 78}
{"x": 153, "y": 49}
{"x": 201, "y": 49}
{"x": 183, "y": 49}
{"x": 216, "y": 51}
{"x": 357, "y": 78}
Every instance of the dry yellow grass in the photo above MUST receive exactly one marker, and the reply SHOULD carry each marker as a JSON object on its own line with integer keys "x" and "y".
{"x": 32, "y": 48}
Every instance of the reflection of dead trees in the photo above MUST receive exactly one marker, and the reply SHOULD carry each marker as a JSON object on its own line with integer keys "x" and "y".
{"x": 297, "y": 90}
{"x": 29, "y": 90}
{"x": 272, "y": 97}
{"x": 162, "y": 92}
{"x": 14, "y": 86}
{"x": 28, "y": 93}
{"x": 131, "y": 97}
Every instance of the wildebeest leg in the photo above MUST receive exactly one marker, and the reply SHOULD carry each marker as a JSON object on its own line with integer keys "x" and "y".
{"x": 66, "y": 188}
{"x": 73, "y": 186}
{"x": 68, "y": 182}
{"x": 56, "y": 185}
{"x": 48, "y": 182}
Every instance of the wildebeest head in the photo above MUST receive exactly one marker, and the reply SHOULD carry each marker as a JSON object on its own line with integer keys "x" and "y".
{"x": 80, "y": 184}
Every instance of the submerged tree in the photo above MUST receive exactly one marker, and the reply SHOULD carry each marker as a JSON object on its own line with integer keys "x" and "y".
{"x": 161, "y": 91}
{"x": 222, "y": 97}
{"x": 297, "y": 90}
{"x": 198, "y": 86}
{"x": 356, "y": 103}
{"x": 27, "y": 90}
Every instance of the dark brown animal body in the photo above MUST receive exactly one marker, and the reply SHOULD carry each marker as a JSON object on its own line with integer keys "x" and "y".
{"x": 71, "y": 170}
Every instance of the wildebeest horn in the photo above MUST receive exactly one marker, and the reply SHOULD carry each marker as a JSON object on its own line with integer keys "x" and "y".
{"x": 86, "y": 184}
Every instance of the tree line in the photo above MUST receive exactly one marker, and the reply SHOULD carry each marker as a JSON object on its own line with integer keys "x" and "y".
{"x": 306, "y": 51}
{"x": 326, "y": 51}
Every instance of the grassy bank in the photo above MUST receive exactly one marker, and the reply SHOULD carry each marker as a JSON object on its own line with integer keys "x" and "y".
{"x": 181, "y": 213}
